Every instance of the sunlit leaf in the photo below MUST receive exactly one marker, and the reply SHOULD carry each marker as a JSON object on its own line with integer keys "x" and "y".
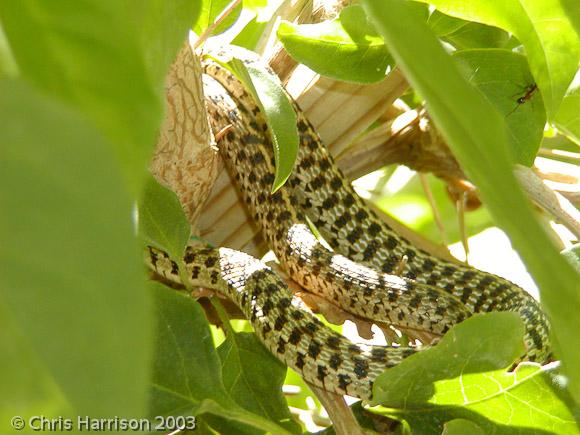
{"x": 465, "y": 376}
{"x": 475, "y": 132}
{"x": 542, "y": 26}
{"x": 482, "y": 343}
{"x": 105, "y": 57}
{"x": 573, "y": 256}
{"x": 504, "y": 78}
{"x": 567, "y": 119}
{"x": 210, "y": 10}
{"x": 187, "y": 377}
{"x": 254, "y": 378}
{"x": 461, "y": 426}
{"x": 347, "y": 48}
{"x": 71, "y": 269}
{"x": 162, "y": 222}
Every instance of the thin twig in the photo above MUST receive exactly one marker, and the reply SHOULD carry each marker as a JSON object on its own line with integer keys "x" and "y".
{"x": 460, "y": 205}
{"x": 340, "y": 414}
{"x": 434, "y": 208}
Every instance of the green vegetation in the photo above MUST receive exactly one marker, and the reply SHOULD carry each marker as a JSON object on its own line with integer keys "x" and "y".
{"x": 82, "y": 330}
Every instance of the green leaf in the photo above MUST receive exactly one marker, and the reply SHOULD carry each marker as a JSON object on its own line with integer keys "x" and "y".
{"x": 186, "y": 366}
{"x": 476, "y": 35}
{"x": 263, "y": 15}
{"x": 251, "y": 34}
{"x": 347, "y": 48}
{"x": 466, "y": 34}
{"x": 162, "y": 222}
{"x": 572, "y": 254}
{"x": 476, "y": 134}
{"x": 24, "y": 377}
{"x": 504, "y": 78}
{"x": 210, "y": 10}
{"x": 187, "y": 377}
{"x": 461, "y": 426}
{"x": 529, "y": 400}
{"x": 443, "y": 25}
{"x": 99, "y": 56}
{"x": 567, "y": 120}
{"x": 561, "y": 143}
{"x": 164, "y": 29}
{"x": 465, "y": 376}
{"x": 542, "y": 26}
{"x": 71, "y": 270}
{"x": 8, "y": 67}
{"x": 573, "y": 13}
{"x": 484, "y": 342}
{"x": 267, "y": 90}
{"x": 254, "y": 378}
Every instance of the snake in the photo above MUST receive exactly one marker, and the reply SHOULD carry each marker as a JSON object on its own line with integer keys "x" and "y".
{"x": 365, "y": 267}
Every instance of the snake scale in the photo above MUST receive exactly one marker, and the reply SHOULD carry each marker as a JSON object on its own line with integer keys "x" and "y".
{"x": 371, "y": 271}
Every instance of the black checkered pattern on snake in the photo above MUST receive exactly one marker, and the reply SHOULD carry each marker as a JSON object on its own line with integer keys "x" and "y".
{"x": 296, "y": 336}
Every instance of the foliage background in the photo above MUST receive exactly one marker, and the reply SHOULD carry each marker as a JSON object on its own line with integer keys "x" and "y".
{"x": 81, "y": 88}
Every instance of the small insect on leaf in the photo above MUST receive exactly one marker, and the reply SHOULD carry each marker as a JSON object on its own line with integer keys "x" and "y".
{"x": 530, "y": 91}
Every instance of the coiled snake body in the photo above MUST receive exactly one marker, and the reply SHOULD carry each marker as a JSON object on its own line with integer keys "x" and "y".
{"x": 427, "y": 294}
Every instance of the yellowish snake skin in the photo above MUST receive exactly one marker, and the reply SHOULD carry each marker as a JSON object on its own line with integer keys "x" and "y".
{"x": 428, "y": 294}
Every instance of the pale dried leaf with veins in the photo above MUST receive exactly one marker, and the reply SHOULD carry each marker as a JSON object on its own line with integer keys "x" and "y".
{"x": 184, "y": 159}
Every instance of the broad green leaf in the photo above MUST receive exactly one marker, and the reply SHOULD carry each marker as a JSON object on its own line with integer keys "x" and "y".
{"x": 251, "y": 34}
{"x": 482, "y": 343}
{"x": 443, "y": 25}
{"x": 466, "y": 34}
{"x": 573, "y": 13}
{"x": 465, "y": 376}
{"x": 164, "y": 29}
{"x": 561, "y": 143}
{"x": 186, "y": 366}
{"x": 187, "y": 376}
{"x": 567, "y": 119}
{"x": 263, "y": 16}
{"x": 504, "y": 78}
{"x": 573, "y": 256}
{"x": 281, "y": 120}
{"x": 97, "y": 55}
{"x": 542, "y": 26}
{"x": 71, "y": 273}
{"x": 476, "y": 35}
{"x": 461, "y": 426}
{"x": 347, "y": 48}
{"x": 27, "y": 383}
{"x": 529, "y": 400}
{"x": 210, "y": 10}
{"x": 254, "y": 378}
{"x": 278, "y": 112}
{"x": 8, "y": 67}
{"x": 162, "y": 222}
{"x": 476, "y": 134}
